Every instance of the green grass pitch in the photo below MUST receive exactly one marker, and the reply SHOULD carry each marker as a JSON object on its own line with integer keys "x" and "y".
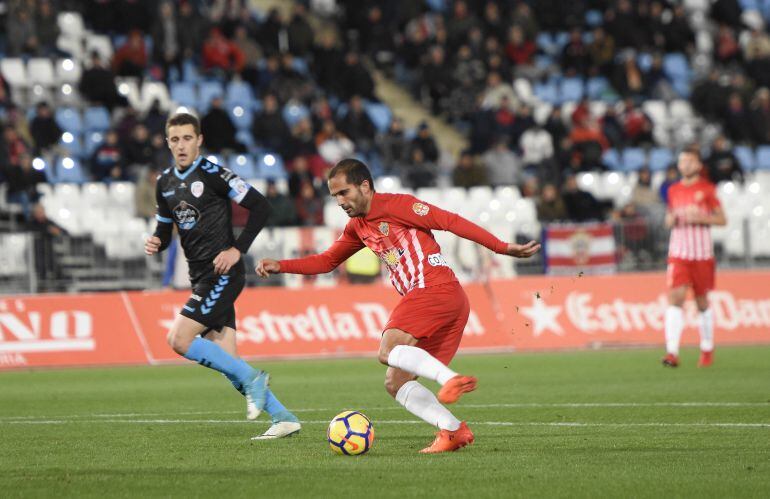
{"x": 579, "y": 424}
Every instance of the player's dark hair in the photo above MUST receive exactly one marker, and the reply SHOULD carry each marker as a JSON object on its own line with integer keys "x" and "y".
{"x": 180, "y": 119}
{"x": 693, "y": 149}
{"x": 355, "y": 172}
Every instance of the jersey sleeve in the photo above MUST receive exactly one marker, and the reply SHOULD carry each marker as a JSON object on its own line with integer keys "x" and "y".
{"x": 227, "y": 183}
{"x": 343, "y": 248}
{"x": 712, "y": 201}
{"x": 163, "y": 214}
{"x": 411, "y": 211}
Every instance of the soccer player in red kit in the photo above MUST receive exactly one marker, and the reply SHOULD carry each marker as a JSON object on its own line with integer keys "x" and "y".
{"x": 693, "y": 208}
{"x": 425, "y": 329}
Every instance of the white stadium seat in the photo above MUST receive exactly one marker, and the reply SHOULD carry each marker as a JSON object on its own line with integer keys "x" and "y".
{"x": 14, "y": 72}
{"x": 40, "y": 71}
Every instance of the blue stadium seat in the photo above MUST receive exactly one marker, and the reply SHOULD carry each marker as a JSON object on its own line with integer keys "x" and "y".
{"x": 544, "y": 61}
{"x": 660, "y": 158}
{"x": 67, "y": 170}
{"x": 545, "y": 43}
{"x": 73, "y": 143}
{"x": 299, "y": 65}
{"x": 190, "y": 72}
{"x": 437, "y": 5}
{"x": 207, "y": 90}
{"x": 596, "y": 87}
{"x": 92, "y": 141}
{"x": 239, "y": 93}
{"x": 245, "y": 138}
{"x": 611, "y": 158}
{"x": 675, "y": 66}
{"x": 96, "y": 118}
{"x": 745, "y": 156}
{"x": 183, "y": 93}
{"x": 380, "y": 115}
{"x": 271, "y": 167}
{"x": 571, "y": 90}
{"x": 69, "y": 120}
{"x": 749, "y": 4}
{"x": 644, "y": 61}
{"x": 242, "y": 117}
{"x": 560, "y": 39}
{"x": 763, "y": 158}
{"x": 243, "y": 165}
{"x": 547, "y": 92}
{"x": 293, "y": 112}
{"x": 633, "y": 158}
{"x": 594, "y": 18}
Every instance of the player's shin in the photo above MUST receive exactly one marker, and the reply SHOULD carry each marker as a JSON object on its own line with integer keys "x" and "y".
{"x": 422, "y": 403}
{"x": 209, "y": 354}
{"x": 674, "y": 324}
{"x": 419, "y": 362}
{"x": 706, "y": 328}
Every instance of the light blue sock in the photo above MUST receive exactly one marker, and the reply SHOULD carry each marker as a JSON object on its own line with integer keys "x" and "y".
{"x": 276, "y": 409}
{"x": 273, "y": 406}
{"x": 209, "y": 354}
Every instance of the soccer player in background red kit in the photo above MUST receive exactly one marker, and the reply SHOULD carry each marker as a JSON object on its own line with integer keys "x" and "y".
{"x": 425, "y": 329}
{"x": 693, "y": 208}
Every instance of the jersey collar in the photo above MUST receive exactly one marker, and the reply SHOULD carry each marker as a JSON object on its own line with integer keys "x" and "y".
{"x": 375, "y": 208}
{"x": 189, "y": 170}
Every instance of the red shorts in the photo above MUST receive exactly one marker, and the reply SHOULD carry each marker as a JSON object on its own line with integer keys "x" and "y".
{"x": 436, "y": 316}
{"x": 696, "y": 273}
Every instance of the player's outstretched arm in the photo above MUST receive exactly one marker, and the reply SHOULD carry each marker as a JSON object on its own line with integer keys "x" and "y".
{"x": 523, "y": 250}
{"x": 267, "y": 266}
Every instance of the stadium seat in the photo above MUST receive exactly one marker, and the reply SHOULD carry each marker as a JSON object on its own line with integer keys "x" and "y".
{"x": 633, "y": 158}
{"x": 611, "y": 158}
{"x": 122, "y": 195}
{"x": 68, "y": 170}
{"x": 656, "y": 111}
{"x": 680, "y": 111}
{"x": 523, "y": 89}
{"x": 92, "y": 141}
{"x": 676, "y": 67}
{"x": 547, "y": 92}
{"x": 152, "y": 91}
{"x": 101, "y": 44}
{"x": 594, "y": 18}
{"x": 245, "y": 138}
{"x": 270, "y": 166}
{"x": 242, "y": 117}
{"x": 68, "y": 71}
{"x": 207, "y": 90}
{"x": 40, "y": 71}
{"x": 430, "y": 195}
{"x": 190, "y": 72}
{"x": 96, "y": 118}
{"x": 71, "y": 24}
{"x": 293, "y": 112}
{"x": 763, "y": 157}
{"x": 660, "y": 158}
{"x": 14, "y": 71}
{"x": 183, "y": 94}
{"x": 69, "y": 120}
{"x": 597, "y": 87}
{"x": 571, "y": 90}
{"x": 745, "y": 156}
{"x": 73, "y": 144}
{"x": 243, "y": 165}
{"x": 239, "y": 93}
{"x": 454, "y": 196}
{"x": 95, "y": 195}
{"x": 546, "y": 43}
{"x": 380, "y": 115}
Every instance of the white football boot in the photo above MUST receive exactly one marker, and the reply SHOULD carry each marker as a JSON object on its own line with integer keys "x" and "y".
{"x": 280, "y": 429}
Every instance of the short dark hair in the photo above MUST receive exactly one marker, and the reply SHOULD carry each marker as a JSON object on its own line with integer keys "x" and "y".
{"x": 693, "y": 149}
{"x": 355, "y": 172}
{"x": 180, "y": 119}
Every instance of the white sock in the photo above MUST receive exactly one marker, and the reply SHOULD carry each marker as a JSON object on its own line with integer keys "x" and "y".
{"x": 422, "y": 403}
{"x": 674, "y": 325}
{"x": 706, "y": 324}
{"x": 419, "y": 362}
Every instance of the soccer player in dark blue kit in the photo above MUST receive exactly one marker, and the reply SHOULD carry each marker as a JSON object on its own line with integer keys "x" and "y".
{"x": 195, "y": 195}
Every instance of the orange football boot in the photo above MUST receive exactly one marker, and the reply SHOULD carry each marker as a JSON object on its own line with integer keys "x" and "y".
{"x": 670, "y": 360}
{"x": 455, "y": 387}
{"x": 706, "y": 359}
{"x": 449, "y": 441}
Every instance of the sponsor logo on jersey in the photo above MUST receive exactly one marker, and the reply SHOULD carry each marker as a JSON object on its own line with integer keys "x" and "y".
{"x": 384, "y": 228}
{"x": 226, "y": 174}
{"x": 197, "y": 188}
{"x": 421, "y": 209}
{"x": 167, "y": 194}
{"x": 186, "y": 215}
{"x": 182, "y": 186}
{"x": 437, "y": 260}
{"x": 238, "y": 185}
{"x": 196, "y": 298}
{"x": 392, "y": 257}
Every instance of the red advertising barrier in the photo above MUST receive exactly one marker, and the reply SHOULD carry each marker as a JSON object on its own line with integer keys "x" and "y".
{"x": 528, "y": 313}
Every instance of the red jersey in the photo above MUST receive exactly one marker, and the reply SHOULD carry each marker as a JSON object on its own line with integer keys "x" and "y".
{"x": 398, "y": 229}
{"x": 690, "y": 241}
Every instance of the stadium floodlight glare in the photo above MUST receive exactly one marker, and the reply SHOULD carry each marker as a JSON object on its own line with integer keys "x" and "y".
{"x": 754, "y": 188}
{"x": 182, "y": 109}
{"x": 237, "y": 111}
{"x": 613, "y": 178}
{"x": 494, "y": 205}
{"x": 66, "y": 89}
{"x": 241, "y": 160}
{"x": 269, "y": 159}
{"x": 64, "y": 213}
{"x": 484, "y": 217}
{"x": 626, "y": 190}
{"x": 67, "y": 65}
{"x": 123, "y": 89}
{"x": 96, "y": 137}
{"x": 37, "y": 90}
{"x": 388, "y": 183}
{"x": 68, "y": 163}
{"x": 67, "y": 138}
{"x": 588, "y": 179}
{"x": 510, "y": 216}
{"x": 729, "y": 187}
{"x": 38, "y": 164}
{"x": 758, "y": 211}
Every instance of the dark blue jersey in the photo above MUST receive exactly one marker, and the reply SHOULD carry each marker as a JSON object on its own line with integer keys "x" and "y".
{"x": 197, "y": 200}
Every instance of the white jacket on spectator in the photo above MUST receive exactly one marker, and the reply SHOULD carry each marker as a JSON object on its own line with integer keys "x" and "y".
{"x": 536, "y": 145}
{"x": 493, "y": 96}
{"x": 503, "y": 166}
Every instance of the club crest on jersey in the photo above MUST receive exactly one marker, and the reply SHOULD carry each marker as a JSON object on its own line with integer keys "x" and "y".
{"x": 699, "y": 196}
{"x": 196, "y": 188}
{"x": 384, "y": 228}
{"x": 420, "y": 209}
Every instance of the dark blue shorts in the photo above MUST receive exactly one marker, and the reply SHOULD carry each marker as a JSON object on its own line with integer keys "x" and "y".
{"x": 212, "y": 302}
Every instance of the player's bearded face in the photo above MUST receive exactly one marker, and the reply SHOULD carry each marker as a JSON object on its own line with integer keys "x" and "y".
{"x": 184, "y": 144}
{"x": 688, "y": 165}
{"x": 349, "y": 197}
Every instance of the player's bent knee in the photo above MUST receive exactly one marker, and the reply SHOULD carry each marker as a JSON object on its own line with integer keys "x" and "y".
{"x": 178, "y": 342}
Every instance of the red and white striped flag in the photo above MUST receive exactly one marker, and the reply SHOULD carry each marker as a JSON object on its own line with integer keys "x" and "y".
{"x": 572, "y": 248}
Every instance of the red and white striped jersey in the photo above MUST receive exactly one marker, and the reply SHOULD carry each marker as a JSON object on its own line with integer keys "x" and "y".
{"x": 690, "y": 241}
{"x": 398, "y": 229}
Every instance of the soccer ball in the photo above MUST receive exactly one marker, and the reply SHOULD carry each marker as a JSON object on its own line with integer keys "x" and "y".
{"x": 350, "y": 433}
